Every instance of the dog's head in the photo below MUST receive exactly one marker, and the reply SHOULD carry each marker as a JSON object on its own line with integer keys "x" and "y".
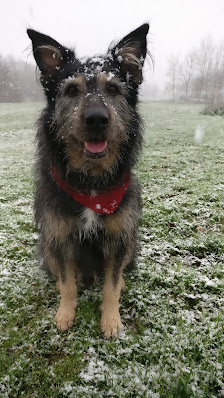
{"x": 92, "y": 103}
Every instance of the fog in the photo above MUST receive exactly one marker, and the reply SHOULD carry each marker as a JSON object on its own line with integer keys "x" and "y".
{"x": 176, "y": 26}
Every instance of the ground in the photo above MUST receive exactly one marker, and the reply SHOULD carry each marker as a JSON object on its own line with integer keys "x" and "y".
{"x": 173, "y": 308}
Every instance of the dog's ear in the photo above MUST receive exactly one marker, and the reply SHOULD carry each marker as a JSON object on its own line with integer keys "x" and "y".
{"x": 48, "y": 53}
{"x": 131, "y": 53}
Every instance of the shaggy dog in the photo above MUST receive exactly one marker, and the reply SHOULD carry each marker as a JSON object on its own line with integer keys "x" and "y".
{"x": 87, "y": 203}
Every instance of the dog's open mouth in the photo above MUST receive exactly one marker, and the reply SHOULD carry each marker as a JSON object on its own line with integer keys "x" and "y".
{"x": 95, "y": 150}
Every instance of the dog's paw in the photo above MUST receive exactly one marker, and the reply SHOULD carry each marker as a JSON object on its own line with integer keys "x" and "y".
{"x": 64, "y": 318}
{"x": 110, "y": 324}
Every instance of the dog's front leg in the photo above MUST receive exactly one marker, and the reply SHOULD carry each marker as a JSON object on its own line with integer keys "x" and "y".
{"x": 113, "y": 285}
{"x": 68, "y": 289}
{"x": 110, "y": 319}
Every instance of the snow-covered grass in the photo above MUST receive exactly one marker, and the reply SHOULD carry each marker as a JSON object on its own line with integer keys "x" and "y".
{"x": 173, "y": 307}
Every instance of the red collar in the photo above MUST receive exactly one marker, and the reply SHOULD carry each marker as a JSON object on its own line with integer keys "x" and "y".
{"x": 104, "y": 203}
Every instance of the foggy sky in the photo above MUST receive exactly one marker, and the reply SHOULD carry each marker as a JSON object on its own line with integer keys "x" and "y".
{"x": 176, "y": 26}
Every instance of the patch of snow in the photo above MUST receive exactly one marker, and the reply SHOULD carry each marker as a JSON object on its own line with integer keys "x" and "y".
{"x": 110, "y": 76}
{"x": 199, "y": 134}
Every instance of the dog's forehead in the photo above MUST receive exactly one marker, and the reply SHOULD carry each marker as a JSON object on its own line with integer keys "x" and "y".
{"x": 97, "y": 65}
{"x": 93, "y": 71}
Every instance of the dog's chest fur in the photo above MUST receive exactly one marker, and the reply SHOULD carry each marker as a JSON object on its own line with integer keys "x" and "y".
{"x": 90, "y": 223}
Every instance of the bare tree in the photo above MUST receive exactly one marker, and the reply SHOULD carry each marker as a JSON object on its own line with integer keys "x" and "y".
{"x": 187, "y": 71}
{"x": 17, "y": 81}
{"x": 204, "y": 61}
{"x": 216, "y": 89}
{"x": 200, "y": 75}
{"x": 5, "y": 81}
{"x": 173, "y": 74}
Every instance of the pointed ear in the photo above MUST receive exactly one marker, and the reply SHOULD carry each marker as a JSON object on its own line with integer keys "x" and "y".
{"x": 131, "y": 52}
{"x": 47, "y": 52}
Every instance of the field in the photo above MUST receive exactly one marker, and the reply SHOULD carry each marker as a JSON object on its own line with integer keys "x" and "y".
{"x": 173, "y": 308}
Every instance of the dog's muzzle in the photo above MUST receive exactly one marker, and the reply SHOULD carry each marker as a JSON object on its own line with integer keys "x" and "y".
{"x": 96, "y": 119}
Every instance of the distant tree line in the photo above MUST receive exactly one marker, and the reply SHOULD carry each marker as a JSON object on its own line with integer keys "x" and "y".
{"x": 199, "y": 75}
{"x": 18, "y": 81}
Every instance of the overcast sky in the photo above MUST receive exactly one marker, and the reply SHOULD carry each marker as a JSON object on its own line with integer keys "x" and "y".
{"x": 176, "y": 26}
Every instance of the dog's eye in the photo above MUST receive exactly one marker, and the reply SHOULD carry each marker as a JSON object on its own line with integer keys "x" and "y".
{"x": 72, "y": 90}
{"x": 112, "y": 89}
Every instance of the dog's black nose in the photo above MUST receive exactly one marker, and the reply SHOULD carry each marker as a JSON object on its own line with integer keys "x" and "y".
{"x": 96, "y": 118}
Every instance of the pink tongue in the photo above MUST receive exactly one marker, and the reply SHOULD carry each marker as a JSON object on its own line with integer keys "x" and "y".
{"x": 96, "y": 147}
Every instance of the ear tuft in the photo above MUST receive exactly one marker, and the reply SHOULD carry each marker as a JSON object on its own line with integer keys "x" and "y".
{"x": 47, "y": 52}
{"x": 131, "y": 53}
{"x": 49, "y": 58}
{"x": 131, "y": 62}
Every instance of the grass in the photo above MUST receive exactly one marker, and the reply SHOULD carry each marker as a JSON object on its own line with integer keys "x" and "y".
{"x": 173, "y": 342}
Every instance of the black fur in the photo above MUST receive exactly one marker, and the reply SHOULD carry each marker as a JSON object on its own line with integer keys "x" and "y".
{"x": 105, "y": 86}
